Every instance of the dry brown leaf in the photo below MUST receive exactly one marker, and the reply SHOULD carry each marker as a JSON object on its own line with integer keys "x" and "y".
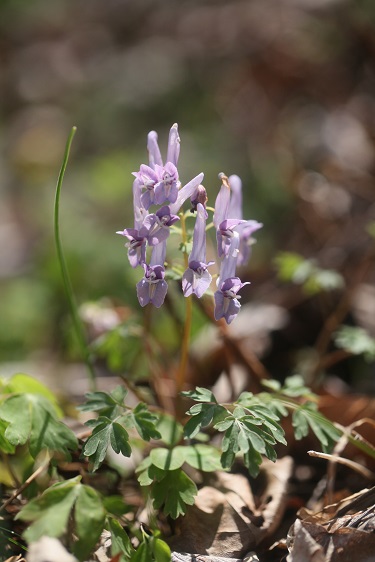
{"x": 225, "y": 520}
{"x": 335, "y": 532}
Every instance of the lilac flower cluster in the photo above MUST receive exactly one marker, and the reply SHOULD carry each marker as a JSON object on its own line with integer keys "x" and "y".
{"x": 158, "y": 185}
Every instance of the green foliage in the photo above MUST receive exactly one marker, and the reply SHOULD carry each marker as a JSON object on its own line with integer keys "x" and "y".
{"x": 356, "y": 340}
{"x": 248, "y": 427}
{"x": 170, "y": 487}
{"x": 292, "y": 267}
{"x": 174, "y": 492}
{"x": 115, "y": 418}
{"x": 307, "y": 417}
{"x": 120, "y": 540}
{"x": 51, "y": 513}
{"x": 31, "y": 417}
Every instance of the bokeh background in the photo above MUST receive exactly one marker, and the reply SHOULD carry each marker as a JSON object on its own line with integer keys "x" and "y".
{"x": 281, "y": 92}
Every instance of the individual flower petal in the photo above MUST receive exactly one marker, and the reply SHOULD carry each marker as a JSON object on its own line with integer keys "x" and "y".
{"x": 154, "y": 155}
{"x": 186, "y": 192}
{"x": 222, "y": 201}
{"x": 246, "y": 240}
{"x": 235, "y": 204}
{"x": 173, "y": 151}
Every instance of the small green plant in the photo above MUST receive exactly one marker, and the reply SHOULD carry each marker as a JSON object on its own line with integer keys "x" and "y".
{"x": 172, "y": 448}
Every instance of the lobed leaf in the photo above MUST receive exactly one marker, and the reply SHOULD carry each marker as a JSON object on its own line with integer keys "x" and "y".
{"x": 174, "y": 493}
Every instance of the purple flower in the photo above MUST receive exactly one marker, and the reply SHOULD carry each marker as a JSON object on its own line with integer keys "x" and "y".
{"x": 153, "y": 288}
{"x": 166, "y": 189}
{"x": 136, "y": 246}
{"x": 245, "y": 229}
{"x": 196, "y": 278}
{"x": 225, "y": 233}
{"x": 137, "y": 241}
{"x": 228, "y": 219}
{"x": 155, "y": 226}
{"x": 227, "y": 303}
{"x": 160, "y": 182}
{"x": 246, "y": 240}
{"x": 147, "y": 179}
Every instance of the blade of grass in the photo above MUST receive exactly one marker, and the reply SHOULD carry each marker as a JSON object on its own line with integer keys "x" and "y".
{"x": 78, "y": 326}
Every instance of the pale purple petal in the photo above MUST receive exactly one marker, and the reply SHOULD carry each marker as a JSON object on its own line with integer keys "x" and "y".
{"x": 173, "y": 145}
{"x": 154, "y": 155}
{"x": 143, "y": 292}
{"x": 158, "y": 254}
{"x": 185, "y": 193}
{"x": 228, "y": 265}
{"x": 159, "y": 292}
{"x": 198, "y": 252}
{"x": 222, "y": 202}
{"x": 136, "y": 246}
{"x": 235, "y": 205}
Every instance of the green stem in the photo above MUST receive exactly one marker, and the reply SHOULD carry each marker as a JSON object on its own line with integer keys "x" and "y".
{"x": 78, "y": 326}
{"x": 181, "y": 374}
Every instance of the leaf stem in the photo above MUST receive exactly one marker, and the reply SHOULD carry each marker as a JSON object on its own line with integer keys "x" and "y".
{"x": 64, "y": 270}
{"x": 181, "y": 374}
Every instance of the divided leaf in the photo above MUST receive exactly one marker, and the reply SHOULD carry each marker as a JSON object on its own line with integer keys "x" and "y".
{"x": 145, "y": 422}
{"x": 174, "y": 492}
{"x": 106, "y": 433}
{"x": 307, "y": 417}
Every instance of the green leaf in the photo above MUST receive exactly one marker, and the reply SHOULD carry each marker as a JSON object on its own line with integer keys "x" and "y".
{"x": 200, "y": 394}
{"x": 5, "y": 445}
{"x": 106, "y": 433}
{"x": 203, "y": 457}
{"x": 17, "y": 410}
{"x": 253, "y": 460}
{"x": 142, "y": 554}
{"x": 293, "y": 267}
{"x": 21, "y": 383}
{"x": 174, "y": 492}
{"x": 356, "y": 340}
{"x": 107, "y": 404}
{"x": 50, "y": 512}
{"x": 89, "y": 517}
{"x": 160, "y": 550}
{"x": 202, "y": 416}
{"x": 168, "y": 459}
{"x": 150, "y": 474}
{"x": 145, "y": 422}
{"x": 120, "y": 540}
{"x": 306, "y": 417}
{"x": 32, "y": 417}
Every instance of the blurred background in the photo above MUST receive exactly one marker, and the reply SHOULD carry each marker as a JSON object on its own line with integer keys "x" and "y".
{"x": 280, "y": 92}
